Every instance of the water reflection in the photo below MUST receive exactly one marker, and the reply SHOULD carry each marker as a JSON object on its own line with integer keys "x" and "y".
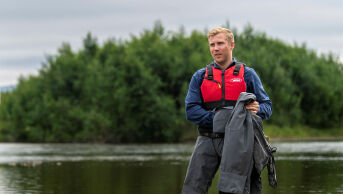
{"x": 12, "y": 153}
{"x": 30, "y": 153}
{"x": 311, "y": 151}
{"x": 310, "y": 147}
{"x": 303, "y": 167}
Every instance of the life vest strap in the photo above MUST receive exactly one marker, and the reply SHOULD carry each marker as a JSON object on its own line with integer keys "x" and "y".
{"x": 237, "y": 68}
{"x": 210, "y": 71}
{"x": 216, "y": 104}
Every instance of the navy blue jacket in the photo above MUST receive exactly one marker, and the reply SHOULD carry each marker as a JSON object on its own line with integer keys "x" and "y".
{"x": 194, "y": 102}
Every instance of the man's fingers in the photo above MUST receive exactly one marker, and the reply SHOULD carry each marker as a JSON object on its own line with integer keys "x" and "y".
{"x": 253, "y": 107}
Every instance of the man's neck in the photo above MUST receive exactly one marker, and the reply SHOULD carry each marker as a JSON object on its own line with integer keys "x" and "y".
{"x": 224, "y": 65}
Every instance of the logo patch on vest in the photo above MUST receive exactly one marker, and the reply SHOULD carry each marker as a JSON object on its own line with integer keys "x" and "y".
{"x": 236, "y": 80}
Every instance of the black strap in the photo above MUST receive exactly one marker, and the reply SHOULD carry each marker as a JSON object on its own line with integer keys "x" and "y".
{"x": 237, "y": 68}
{"x": 209, "y": 68}
{"x": 202, "y": 129}
{"x": 218, "y": 104}
{"x": 212, "y": 135}
{"x": 210, "y": 71}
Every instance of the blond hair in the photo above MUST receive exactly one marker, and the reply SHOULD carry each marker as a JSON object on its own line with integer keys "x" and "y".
{"x": 228, "y": 33}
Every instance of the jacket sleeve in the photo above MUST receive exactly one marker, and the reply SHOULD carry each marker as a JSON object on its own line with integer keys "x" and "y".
{"x": 193, "y": 103}
{"x": 254, "y": 85}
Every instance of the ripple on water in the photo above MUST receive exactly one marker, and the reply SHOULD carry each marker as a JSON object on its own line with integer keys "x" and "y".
{"x": 34, "y": 154}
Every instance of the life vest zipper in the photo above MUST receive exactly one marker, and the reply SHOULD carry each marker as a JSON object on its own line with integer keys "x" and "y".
{"x": 223, "y": 84}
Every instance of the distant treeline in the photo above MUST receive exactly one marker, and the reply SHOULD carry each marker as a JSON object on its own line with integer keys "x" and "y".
{"x": 134, "y": 90}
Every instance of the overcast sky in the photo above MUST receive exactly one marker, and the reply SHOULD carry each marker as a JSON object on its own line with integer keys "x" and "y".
{"x": 32, "y": 29}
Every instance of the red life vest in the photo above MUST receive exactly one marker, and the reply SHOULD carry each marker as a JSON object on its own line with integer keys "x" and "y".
{"x": 222, "y": 87}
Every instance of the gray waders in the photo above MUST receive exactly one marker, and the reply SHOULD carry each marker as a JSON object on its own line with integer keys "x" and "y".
{"x": 234, "y": 155}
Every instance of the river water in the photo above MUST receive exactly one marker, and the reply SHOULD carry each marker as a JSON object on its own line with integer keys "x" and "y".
{"x": 302, "y": 167}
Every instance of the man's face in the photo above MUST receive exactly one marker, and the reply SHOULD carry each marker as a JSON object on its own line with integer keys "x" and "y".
{"x": 220, "y": 48}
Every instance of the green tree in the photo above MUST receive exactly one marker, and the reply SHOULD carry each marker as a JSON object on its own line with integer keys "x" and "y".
{"x": 134, "y": 90}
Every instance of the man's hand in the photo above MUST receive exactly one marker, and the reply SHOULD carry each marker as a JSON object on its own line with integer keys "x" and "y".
{"x": 253, "y": 107}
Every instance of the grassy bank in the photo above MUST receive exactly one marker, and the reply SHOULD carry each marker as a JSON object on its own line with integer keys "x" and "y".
{"x": 300, "y": 132}
{"x": 276, "y": 133}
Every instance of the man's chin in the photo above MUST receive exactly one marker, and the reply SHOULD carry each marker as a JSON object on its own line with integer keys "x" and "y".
{"x": 219, "y": 61}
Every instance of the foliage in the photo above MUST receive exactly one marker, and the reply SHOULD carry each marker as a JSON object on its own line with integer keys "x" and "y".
{"x": 134, "y": 90}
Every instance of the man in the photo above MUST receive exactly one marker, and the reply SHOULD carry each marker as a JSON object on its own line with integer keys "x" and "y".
{"x": 212, "y": 88}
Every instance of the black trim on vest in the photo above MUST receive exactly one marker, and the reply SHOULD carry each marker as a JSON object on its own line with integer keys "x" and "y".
{"x": 237, "y": 68}
{"x": 209, "y": 68}
{"x": 210, "y": 71}
{"x": 235, "y": 71}
{"x": 217, "y": 104}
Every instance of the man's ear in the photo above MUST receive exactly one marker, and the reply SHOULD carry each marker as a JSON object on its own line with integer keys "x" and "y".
{"x": 233, "y": 45}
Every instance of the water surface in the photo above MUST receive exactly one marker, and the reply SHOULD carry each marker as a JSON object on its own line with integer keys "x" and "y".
{"x": 302, "y": 167}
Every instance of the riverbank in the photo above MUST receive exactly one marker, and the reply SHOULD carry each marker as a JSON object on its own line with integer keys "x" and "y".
{"x": 295, "y": 133}
{"x": 302, "y": 133}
